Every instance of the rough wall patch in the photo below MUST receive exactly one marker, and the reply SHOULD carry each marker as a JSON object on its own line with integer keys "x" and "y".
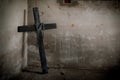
{"x": 72, "y": 3}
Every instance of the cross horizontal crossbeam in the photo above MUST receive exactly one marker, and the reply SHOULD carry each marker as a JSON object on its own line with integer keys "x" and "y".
{"x": 33, "y": 27}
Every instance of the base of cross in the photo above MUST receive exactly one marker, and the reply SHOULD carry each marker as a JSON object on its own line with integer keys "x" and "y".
{"x": 44, "y": 72}
{"x": 39, "y": 27}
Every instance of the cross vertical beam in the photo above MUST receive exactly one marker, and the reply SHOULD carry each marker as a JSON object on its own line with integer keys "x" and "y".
{"x": 40, "y": 40}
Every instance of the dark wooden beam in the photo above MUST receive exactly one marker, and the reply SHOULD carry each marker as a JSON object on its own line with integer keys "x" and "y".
{"x": 26, "y": 28}
{"x": 33, "y": 28}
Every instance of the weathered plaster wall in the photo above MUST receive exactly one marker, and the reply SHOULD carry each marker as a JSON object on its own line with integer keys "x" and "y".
{"x": 11, "y": 16}
{"x": 87, "y": 34}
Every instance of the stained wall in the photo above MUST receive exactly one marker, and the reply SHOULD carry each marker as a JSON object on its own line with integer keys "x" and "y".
{"x": 11, "y": 16}
{"x": 87, "y": 34}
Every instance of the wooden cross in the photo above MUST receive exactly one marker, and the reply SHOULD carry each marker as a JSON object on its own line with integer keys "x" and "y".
{"x": 38, "y": 26}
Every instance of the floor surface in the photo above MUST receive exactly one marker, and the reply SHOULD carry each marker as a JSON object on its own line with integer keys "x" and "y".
{"x": 33, "y": 72}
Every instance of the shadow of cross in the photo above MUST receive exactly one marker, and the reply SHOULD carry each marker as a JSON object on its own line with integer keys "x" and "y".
{"x": 38, "y": 27}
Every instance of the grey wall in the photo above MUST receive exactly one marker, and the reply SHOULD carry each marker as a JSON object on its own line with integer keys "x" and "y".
{"x": 87, "y": 34}
{"x": 11, "y": 16}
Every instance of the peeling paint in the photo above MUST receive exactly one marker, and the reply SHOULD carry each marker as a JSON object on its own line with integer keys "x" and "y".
{"x": 87, "y": 33}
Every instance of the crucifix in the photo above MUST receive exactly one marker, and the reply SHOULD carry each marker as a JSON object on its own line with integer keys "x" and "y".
{"x": 38, "y": 27}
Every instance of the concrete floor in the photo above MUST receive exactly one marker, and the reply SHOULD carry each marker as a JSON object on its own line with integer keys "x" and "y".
{"x": 64, "y": 74}
{"x": 32, "y": 72}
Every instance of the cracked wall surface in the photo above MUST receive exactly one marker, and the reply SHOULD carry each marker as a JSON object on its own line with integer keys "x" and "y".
{"x": 87, "y": 34}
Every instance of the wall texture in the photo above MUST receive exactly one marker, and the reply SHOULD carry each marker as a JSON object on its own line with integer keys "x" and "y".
{"x": 11, "y": 16}
{"x": 87, "y": 34}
